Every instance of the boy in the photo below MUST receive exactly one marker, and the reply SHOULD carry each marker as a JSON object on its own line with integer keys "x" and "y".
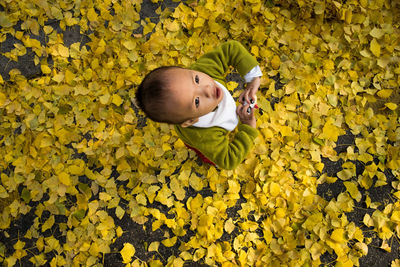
{"x": 197, "y": 102}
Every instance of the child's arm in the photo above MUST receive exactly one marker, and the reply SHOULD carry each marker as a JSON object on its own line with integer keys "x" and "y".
{"x": 215, "y": 144}
{"x": 232, "y": 53}
{"x": 249, "y": 94}
{"x": 216, "y": 63}
{"x": 246, "y": 114}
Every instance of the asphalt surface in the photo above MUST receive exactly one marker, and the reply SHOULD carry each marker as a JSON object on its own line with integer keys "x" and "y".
{"x": 138, "y": 235}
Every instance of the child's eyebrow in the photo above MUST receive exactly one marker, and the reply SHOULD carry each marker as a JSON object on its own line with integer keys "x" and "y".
{"x": 191, "y": 76}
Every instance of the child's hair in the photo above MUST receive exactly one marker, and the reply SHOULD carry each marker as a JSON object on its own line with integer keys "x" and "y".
{"x": 152, "y": 95}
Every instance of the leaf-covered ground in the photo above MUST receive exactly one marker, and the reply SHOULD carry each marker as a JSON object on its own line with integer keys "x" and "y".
{"x": 87, "y": 180}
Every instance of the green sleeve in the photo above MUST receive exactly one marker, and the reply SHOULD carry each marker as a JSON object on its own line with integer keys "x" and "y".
{"x": 217, "y": 62}
{"x": 215, "y": 144}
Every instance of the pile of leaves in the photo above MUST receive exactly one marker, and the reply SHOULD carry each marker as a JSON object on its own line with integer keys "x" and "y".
{"x": 76, "y": 156}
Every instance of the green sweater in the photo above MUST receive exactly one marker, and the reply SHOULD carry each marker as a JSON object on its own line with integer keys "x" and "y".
{"x": 215, "y": 143}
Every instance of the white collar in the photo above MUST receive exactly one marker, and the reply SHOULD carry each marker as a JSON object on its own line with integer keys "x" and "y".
{"x": 225, "y": 116}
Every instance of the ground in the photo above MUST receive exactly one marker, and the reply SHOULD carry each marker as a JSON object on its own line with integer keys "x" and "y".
{"x": 142, "y": 235}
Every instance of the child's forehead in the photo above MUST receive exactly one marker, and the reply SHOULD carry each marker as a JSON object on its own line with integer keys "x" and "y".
{"x": 178, "y": 71}
{"x": 178, "y": 76}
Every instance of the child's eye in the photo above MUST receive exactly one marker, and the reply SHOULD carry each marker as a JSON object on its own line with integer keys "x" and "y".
{"x": 197, "y": 102}
{"x": 196, "y": 79}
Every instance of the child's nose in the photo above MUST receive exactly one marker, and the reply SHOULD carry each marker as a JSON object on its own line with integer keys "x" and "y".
{"x": 208, "y": 91}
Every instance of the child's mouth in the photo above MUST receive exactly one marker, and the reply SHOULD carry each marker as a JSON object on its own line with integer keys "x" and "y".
{"x": 217, "y": 92}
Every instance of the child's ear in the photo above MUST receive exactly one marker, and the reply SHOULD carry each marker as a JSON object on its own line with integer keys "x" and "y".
{"x": 189, "y": 122}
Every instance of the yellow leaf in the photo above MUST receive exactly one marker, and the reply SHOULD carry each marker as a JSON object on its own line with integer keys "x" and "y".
{"x": 1, "y": 79}
{"x": 64, "y": 178}
{"x": 395, "y": 216}
{"x": 154, "y": 246}
{"x": 196, "y": 182}
{"x": 104, "y": 99}
{"x": 376, "y": 33}
{"x": 117, "y": 100}
{"x": 59, "y": 77}
{"x": 234, "y": 187}
{"x": 328, "y": 64}
{"x": 69, "y": 77}
{"x": 338, "y": 235}
{"x": 63, "y": 51}
{"x": 367, "y": 220}
{"x": 104, "y": 196}
{"x": 5, "y": 20}
{"x": 172, "y": 26}
{"x": 130, "y": 45}
{"x": 3, "y": 99}
{"x": 169, "y": 242}
{"x": 45, "y": 69}
{"x": 330, "y": 131}
{"x": 127, "y": 252}
{"x": 385, "y": 93}
{"x": 319, "y": 8}
{"x": 345, "y": 174}
{"x": 231, "y": 85}
{"x": 48, "y": 223}
{"x": 331, "y": 180}
{"x": 119, "y": 212}
{"x": 47, "y": 29}
{"x": 229, "y": 226}
{"x": 77, "y": 169}
{"x": 391, "y": 106}
{"x": 353, "y": 190}
{"x": 148, "y": 27}
{"x": 274, "y": 189}
{"x": 255, "y": 50}
{"x": 119, "y": 231}
{"x": 92, "y": 15}
{"x": 367, "y": 201}
{"x": 275, "y": 62}
{"x": 199, "y": 22}
{"x": 375, "y": 48}
{"x": 178, "y": 189}
{"x": 385, "y": 246}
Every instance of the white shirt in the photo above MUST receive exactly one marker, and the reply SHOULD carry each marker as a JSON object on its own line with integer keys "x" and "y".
{"x": 225, "y": 115}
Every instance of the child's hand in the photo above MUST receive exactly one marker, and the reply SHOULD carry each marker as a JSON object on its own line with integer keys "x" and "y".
{"x": 249, "y": 94}
{"x": 246, "y": 115}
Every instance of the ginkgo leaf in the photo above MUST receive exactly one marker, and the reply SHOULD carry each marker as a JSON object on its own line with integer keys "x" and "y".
{"x": 127, "y": 252}
{"x": 375, "y": 48}
{"x": 169, "y": 242}
{"x": 48, "y": 223}
{"x": 376, "y": 33}
{"x": 154, "y": 246}
{"x": 119, "y": 212}
{"x": 45, "y": 69}
{"x": 391, "y": 106}
{"x": 229, "y": 226}
{"x": 275, "y": 62}
{"x": 385, "y": 93}
{"x": 3, "y": 99}
{"x": 353, "y": 190}
{"x": 64, "y": 178}
{"x": 338, "y": 235}
{"x": 92, "y": 15}
{"x": 77, "y": 150}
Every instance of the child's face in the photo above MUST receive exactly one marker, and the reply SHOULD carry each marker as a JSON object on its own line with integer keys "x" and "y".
{"x": 193, "y": 94}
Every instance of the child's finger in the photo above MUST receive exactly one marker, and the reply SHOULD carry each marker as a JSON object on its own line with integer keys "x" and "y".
{"x": 241, "y": 109}
{"x": 245, "y": 111}
{"x": 250, "y": 111}
{"x": 243, "y": 98}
